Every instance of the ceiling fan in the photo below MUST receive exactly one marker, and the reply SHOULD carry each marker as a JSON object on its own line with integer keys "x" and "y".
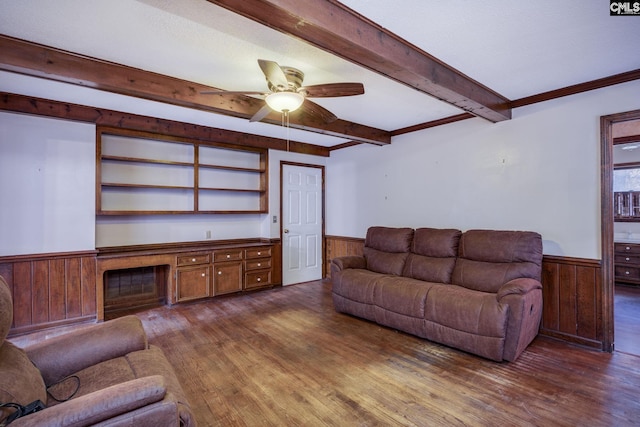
{"x": 286, "y": 93}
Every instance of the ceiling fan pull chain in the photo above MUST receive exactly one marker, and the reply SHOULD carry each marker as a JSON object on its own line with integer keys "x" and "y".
{"x": 285, "y": 116}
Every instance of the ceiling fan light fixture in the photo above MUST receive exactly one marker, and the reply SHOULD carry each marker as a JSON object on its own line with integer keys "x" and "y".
{"x": 284, "y": 101}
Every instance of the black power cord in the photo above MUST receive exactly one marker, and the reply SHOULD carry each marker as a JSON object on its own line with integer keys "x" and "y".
{"x": 20, "y": 410}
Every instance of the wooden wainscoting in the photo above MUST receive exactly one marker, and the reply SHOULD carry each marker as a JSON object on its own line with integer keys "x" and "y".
{"x": 50, "y": 289}
{"x": 572, "y": 293}
{"x": 336, "y": 246}
{"x": 572, "y": 298}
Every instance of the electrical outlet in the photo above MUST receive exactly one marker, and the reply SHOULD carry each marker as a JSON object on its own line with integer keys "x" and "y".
{"x": 207, "y": 234}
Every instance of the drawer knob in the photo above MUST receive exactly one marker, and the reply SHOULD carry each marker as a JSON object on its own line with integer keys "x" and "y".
{"x": 626, "y": 272}
{"x": 259, "y": 264}
{"x": 259, "y": 253}
{"x": 203, "y": 274}
{"x": 193, "y": 260}
{"x": 228, "y": 256}
{"x": 259, "y": 279}
{"x": 219, "y": 272}
{"x": 627, "y": 248}
{"x": 627, "y": 259}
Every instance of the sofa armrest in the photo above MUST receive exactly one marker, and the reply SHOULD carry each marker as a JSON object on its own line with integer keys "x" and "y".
{"x": 518, "y": 286}
{"x": 524, "y": 298}
{"x": 61, "y": 356}
{"x": 100, "y": 405}
{"x": 352, "y": 261}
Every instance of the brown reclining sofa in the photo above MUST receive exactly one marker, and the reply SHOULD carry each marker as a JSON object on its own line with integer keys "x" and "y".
{"x": 478, "y": 291}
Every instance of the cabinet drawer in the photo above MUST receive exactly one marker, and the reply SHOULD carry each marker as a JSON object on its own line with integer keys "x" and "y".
{"x": 260, "y": 252}
{"x": 193, "y": 259}
{"x": 626, "y": 248}
{"x": 627, "y": 259}
{"x": 624, "y": 272}
{"x": 257, "y": 279}
{"x": 229, "y": 255}
{"x": 258, "y": 264}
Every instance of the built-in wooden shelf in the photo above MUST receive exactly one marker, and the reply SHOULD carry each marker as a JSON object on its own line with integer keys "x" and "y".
{"x": 140, "y": 173}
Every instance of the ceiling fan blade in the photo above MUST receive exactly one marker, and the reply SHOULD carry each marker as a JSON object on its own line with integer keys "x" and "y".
{"x": 333, "y": 89}
{"x": 230, "y": 92}
{"x": 260, "y": 114}
{"x": 274, "y": 73}
{"x": 316, "y": 110}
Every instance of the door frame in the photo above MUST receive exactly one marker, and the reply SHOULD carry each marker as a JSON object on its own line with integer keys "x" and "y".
{"x": 322, "y": 218}
{"x": 606, "y": 220}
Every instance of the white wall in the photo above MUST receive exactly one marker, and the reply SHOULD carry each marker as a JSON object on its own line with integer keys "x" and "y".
{"x": 48, "y": 202}
{"x": 269, "y": 228}
{"x": 47, "y": 183}
{"x": 539, "y": 171}
{"x": 115, "y": 231}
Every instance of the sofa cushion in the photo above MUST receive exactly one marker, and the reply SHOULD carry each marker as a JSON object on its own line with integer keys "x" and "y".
{"x": 402, "y": 295}
{"x": 388, "y": 239}
{"x": 356, "y": 285}
{"x": 386, "y": 249}
{"x": 436, "y": 242}
{"x": 433, "y": 255}
{"x": 488, "y": 259}
{"x": 462, "y": 309}
{"x": 385, "y": 262}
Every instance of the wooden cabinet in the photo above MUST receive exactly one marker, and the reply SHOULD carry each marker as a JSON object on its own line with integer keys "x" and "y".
{"x": 627, "y": 262}
{"x": 227, "y": 271}
{"x": 258, "y": 267}
{"x": 193, "y": 278}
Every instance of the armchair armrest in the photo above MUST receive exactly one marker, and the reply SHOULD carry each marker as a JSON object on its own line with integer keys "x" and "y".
{"x": 518, "y": 286}
{"x": 351, "y": 261}
{"x": 100, "y": 405}
{"x": 61, "y": 356}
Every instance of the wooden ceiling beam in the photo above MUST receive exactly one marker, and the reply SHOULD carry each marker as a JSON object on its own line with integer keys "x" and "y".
{"x": 333, "y": 27}
{"x": 103, "y": 117}
{"x": 41, "y": 61}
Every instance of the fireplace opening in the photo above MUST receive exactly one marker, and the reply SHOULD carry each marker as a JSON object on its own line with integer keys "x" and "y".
{"x": 134, "y": 289}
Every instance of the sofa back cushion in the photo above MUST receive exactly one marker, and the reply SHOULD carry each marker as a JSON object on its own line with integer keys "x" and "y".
{"x": 488, "y": 259}
{"x": 433, "y": 255}
{"x": 386, "y": 249}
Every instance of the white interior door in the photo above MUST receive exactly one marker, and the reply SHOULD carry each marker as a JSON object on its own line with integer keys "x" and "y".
{"x": 301, "y": 224}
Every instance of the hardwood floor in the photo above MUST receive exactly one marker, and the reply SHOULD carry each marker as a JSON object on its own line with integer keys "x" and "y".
{"x": 627, "y": 319}
{"x": 284, "y": 357}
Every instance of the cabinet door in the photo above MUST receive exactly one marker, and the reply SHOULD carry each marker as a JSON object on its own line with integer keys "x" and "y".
{"x": 192, "y": 283}
{"x": 227, "y": 277}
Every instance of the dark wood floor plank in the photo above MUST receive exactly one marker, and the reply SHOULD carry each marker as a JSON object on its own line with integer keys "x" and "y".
{"x": 627, "y": 318}
{"x": 284, "y": 357}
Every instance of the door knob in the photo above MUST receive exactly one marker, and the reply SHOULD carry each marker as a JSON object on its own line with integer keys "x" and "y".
{"x": 285, "y": 230}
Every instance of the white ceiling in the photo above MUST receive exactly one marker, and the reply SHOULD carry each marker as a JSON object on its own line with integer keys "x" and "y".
{"x": 516, "y": 48}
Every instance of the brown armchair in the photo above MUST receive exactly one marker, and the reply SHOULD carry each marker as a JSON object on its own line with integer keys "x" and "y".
{"x": 108, "y": 372}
